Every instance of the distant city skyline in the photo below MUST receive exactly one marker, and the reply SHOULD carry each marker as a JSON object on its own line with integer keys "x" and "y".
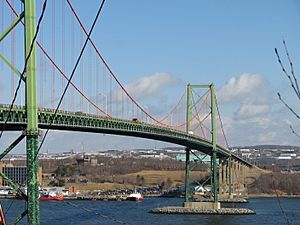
{"x": 171, "y": 43}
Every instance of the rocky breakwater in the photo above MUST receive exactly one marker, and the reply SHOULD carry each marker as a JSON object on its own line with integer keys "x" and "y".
{"x": 185, "y": 210}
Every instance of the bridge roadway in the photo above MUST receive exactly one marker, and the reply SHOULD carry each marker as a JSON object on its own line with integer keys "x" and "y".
{"x": 77, "y": 121}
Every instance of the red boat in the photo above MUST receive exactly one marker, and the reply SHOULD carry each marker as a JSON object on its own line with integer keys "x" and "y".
{"x": 135, "y": 197}
{"x": 52, "y": 196}
{"x": 56, "y": 198}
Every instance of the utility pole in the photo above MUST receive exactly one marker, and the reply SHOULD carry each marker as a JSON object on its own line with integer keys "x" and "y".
{"x": 32, "y": 114}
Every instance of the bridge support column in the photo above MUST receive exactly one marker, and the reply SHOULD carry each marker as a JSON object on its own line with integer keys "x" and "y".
{"x": 187, "y": 174}
{"x": 239, "y": 182}
{"x": 222, "y": 177}
{"x": 229, "y": 169}
{"x": 234, "y": 176}
{"x": 214, "y": 166}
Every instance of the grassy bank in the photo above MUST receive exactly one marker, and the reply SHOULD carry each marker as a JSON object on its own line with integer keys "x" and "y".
{"x": 143, "y": 178}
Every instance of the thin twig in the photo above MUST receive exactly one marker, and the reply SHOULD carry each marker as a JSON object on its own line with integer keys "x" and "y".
{"x": 285, "y": 72}
{"x": 291, "y": 65}
{"x": 294, "y": 132}
{"x": 286, "y": 105}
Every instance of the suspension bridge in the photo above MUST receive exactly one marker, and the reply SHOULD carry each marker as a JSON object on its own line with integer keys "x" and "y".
{"x": 43, "y": 96}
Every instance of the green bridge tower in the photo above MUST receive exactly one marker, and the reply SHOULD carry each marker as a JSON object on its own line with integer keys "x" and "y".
{"x": 31, "y": 132}
{"x": 32, "y": 112}
{"x": 214, "y": 165}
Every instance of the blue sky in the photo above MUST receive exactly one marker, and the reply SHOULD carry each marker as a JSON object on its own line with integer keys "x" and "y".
{"x": 230, "y": 43}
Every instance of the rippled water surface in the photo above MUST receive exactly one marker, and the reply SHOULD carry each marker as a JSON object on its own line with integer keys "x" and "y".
{"x": 267, "y": 210}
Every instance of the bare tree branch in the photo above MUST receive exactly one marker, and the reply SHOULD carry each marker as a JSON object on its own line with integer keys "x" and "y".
{"x": 291, "y": 65}
{"x": 285, "y": 72}
{"x": 286, "y": 105}
{"x": 293, "y": 131}
{"x": 293, "y": 82}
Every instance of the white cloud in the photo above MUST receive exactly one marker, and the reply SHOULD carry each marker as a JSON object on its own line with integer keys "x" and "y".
{"x": 260, "y": 129}
{"x": 252, "y": 113}
{"x": 249, "y": 110}
{"x": 240, "y": 87}
{"x": 151, "y": 86}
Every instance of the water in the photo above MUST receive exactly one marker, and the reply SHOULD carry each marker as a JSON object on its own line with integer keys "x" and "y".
{"x": 137, "y": 213}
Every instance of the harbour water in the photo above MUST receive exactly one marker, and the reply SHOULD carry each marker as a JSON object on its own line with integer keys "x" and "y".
{"x": 82, "y": 212}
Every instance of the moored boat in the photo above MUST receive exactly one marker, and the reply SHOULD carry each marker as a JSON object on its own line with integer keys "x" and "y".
{"x": 56, "y": 198}
{"x": 51, "y": 196}
{"x": 135, "y": 197}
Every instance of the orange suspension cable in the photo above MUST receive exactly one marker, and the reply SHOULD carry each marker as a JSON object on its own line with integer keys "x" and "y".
{"x": 174, "y": 107}
{"x": 63, "y": 27}
{"x": 108, "y": 68}
{"x": 12, "y": 56}
{"x": 53, "y": 54}
{"x": 59, "y": 69}
{"x": 72, "y": 106}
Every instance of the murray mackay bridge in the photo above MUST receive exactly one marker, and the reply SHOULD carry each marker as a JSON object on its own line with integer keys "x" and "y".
{"x": 56, "y": 86}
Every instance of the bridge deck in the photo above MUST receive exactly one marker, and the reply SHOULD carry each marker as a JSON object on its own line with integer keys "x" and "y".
{"x": 77, "y": 121}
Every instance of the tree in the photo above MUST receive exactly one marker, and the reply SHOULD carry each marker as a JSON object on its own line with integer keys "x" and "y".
{"x": 138, "y": 179}
{"x": 169, "y": 183}
{"x": 142, "y": 181}
{"x": 293, "y": 82}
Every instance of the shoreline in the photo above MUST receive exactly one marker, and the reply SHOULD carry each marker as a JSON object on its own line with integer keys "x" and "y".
{"x": 122, "y": 197}
{"x": 271, "y": 196}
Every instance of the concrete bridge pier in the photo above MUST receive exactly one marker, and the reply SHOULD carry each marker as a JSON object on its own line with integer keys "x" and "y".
{"x": 232, "y": 178}
{"x": 236, "y": 178}
{"x": 223, "y": 177}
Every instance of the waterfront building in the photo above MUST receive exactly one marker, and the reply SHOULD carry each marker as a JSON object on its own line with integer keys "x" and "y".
{"x": 17, "y": 174}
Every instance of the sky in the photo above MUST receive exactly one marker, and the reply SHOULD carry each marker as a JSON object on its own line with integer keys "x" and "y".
{"x": 161, "y": 46}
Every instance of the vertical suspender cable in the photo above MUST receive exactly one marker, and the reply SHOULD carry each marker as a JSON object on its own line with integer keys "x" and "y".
{"x": 71, "y": 62}
{"x": 81, "y": 74}
{"x": 53, "y": 55}
{"x": 89, "y": 80}
{"x": 97, "y": 91}
{"x": 41, "y": 66}
{"x": 62, "y": 73}
{"x": 116, "y": 101}
{"x": 110, "y": 95}
{"x": 71, "y": 76}
{"x": 221, "y": 123}
{"x": 127, "y": 106}
{"x": 12, "y": 56}
{"x": 63, "y": 27}
{"x": 104, "y": 89}
{"x": 122, "y": 103}
{"x": 108, "y": 68}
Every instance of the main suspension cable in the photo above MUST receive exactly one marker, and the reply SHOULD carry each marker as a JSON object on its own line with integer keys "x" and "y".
{"x": 72, "y": 75}
{"x": 109, "y": 69}
{"x": 174, "y": 108}
{"x": 222, "y": 127}
{"x": 22, "y": 77}
{"x": 57, "y": 67}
